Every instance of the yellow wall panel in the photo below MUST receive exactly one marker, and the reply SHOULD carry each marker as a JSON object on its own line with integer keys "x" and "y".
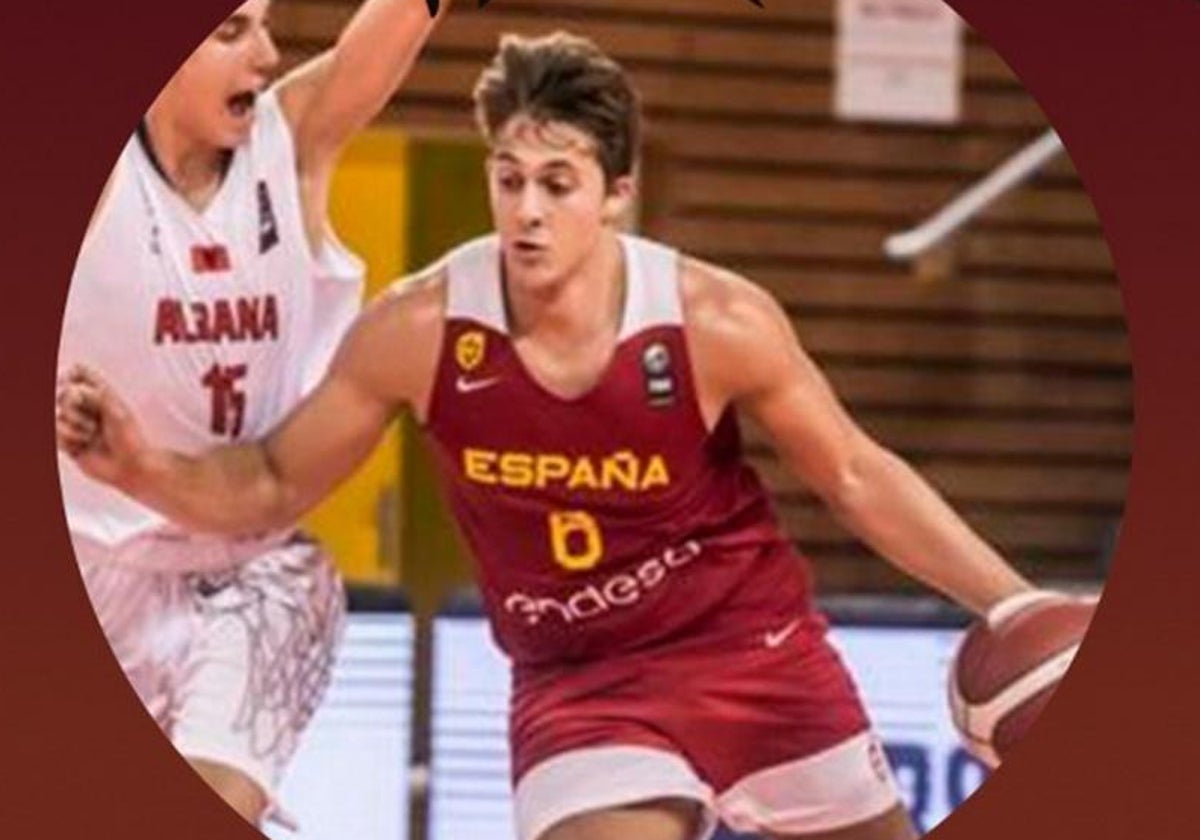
{"x": 369, "y": 207}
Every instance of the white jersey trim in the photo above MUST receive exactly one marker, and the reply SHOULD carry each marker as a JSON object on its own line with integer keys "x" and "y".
{"x": 594, "y": 778}
{"x": 475, "y": 292}
{"x": 652, "y": 287}
{"x": 843, "y": 786}
{"x": 652, "y": 296}
{"x": 848, "y": 784}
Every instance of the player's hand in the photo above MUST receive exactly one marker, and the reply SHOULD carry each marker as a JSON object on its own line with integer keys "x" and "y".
{"x": 97, "y": 429}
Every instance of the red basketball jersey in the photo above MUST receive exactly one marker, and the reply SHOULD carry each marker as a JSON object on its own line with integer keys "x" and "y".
{"x": 613, "y": 521}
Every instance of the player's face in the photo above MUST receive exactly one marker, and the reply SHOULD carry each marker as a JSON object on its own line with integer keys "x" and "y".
{"x": 214, "y": 90}
{"x": 550, "y": 203}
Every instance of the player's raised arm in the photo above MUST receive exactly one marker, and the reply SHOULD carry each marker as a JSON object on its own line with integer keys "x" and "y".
{"x": 385, "y": 363}
{"x": 747, "y": 353}
{"x": 331, "y": 98}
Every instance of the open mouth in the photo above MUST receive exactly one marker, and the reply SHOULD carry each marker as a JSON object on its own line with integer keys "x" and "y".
{"x": 241, "y": 104}
{"x": 525, "y": 247}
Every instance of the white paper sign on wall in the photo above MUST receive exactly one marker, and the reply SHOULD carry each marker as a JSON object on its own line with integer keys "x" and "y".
{"x": 898, "y": 61}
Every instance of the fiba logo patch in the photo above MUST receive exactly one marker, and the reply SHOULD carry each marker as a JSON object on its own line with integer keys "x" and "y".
{"x": 469, "y": 350}
{"x": 658, "y": 376}
{"x": 656, "y": 360}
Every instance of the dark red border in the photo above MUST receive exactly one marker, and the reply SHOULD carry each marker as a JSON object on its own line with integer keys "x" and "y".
{"x": 1115, "y": 758}
{"x": 78, "y": 758}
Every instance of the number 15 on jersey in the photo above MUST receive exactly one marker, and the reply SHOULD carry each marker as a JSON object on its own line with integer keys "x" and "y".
{"x": 228, "y": 400}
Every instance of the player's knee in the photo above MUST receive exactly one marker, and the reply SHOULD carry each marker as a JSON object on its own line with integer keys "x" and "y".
{"x": 660, "y": 819}
{"x": 233, "y": 786}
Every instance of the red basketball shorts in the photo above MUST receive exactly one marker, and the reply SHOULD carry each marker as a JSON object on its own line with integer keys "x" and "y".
{"x": 766, "y": 731}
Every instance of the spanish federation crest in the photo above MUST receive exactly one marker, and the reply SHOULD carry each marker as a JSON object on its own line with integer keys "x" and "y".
{"x": 469, "y": 350}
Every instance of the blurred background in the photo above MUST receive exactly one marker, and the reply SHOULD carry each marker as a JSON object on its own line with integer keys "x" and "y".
{"x": 788, "y": 144}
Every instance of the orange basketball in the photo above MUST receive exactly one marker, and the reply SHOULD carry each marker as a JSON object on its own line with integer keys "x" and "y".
{"x": 1008, "y": 666}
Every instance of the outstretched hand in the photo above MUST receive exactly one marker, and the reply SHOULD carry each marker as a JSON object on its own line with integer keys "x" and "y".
{"x": 95, "y": 427}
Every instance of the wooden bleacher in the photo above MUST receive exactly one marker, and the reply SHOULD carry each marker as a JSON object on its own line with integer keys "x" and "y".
{"x": 1007, "y": 383}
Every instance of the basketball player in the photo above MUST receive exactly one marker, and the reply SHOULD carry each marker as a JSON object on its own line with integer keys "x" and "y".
{"x": 582, "y": 389}
{"x": 211, "y": 288}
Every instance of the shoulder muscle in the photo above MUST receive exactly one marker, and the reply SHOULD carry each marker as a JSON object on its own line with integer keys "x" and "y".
{"x": 740, "y": 338}
{"x": 392, "y": 350}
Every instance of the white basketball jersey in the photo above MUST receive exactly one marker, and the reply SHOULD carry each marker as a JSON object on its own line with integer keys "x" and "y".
{"x": 210, "y": 324}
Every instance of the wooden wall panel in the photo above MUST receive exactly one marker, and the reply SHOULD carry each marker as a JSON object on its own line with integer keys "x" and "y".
{"x": 1007, "y": 384}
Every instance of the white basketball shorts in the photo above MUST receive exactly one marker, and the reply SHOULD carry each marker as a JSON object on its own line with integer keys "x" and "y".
{"x": 231, "y": 663}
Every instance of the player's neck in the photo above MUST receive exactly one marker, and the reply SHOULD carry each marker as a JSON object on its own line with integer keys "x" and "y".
{"x": 190, "y": 166}
{"x": 587, "y": 302}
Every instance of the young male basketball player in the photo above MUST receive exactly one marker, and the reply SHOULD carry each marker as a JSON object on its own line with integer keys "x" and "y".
{"x": 582, "y": 389}
{"x": 210, "y": 288}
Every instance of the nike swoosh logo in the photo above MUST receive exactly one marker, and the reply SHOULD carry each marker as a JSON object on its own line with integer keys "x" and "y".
{"x": 777, "y": 637}
{"x": 467, "y": 386}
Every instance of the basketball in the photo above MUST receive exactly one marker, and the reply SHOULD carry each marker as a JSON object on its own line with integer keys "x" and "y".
{"x": 1008, "y": 666}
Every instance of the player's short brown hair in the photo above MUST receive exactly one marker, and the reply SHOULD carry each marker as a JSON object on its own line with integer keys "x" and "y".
{"x": 563, "y": 78}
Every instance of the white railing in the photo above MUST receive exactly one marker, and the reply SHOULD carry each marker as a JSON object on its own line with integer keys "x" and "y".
{"x": 1011, "y": 173}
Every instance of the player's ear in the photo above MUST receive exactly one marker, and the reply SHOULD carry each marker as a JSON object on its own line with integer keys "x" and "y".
{"x": 619, "y": 199}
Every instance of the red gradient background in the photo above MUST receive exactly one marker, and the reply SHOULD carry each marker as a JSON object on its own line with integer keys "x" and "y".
{"x": 1117, "y": 752}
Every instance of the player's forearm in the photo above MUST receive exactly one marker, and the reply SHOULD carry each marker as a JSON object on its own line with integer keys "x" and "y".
{"x": 371, "y": 58}
{"x": 232, "y": 490}
{"x": 891, "y": 508}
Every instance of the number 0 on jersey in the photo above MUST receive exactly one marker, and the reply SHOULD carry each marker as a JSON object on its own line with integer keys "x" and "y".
{"x": 575, "y": 540}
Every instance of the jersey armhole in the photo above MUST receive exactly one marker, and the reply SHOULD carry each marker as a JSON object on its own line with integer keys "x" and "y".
{"x": 693, "y": 392}
{"x": 330, "y": 258}
{"x": 693, "y": 371}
